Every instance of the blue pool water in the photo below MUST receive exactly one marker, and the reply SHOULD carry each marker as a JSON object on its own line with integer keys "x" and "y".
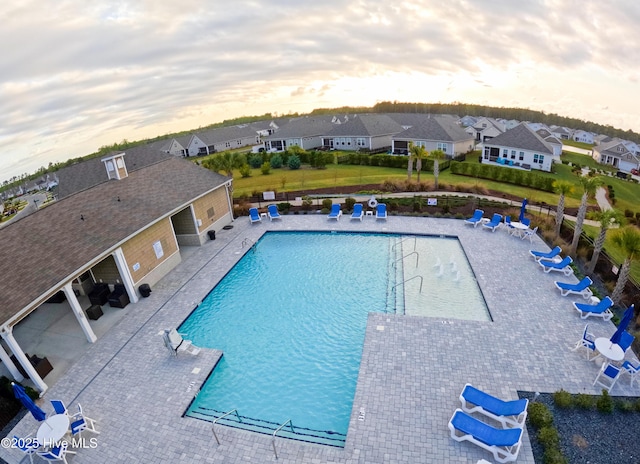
{"x": 290, "y": 318}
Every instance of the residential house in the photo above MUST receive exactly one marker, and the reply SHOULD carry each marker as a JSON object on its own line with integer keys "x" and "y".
{"x": 121, "y": 219}
{"x": 551, "y": 140}
{"x": 536, "y": 126}
{"x": 615, "y": 153}
{"x": 584, "y": 136}
{"x": 486, "y": 129}
{"x": 467, "y": 121}
{"x": 176, "y": 146}
{"x": 435, "y": 133}
{"x": 520, "y": 147}
{"x": 305, "y": 132}
{"x": 225, "y": 138}
{"x": 511, "y": 123}
{"x": 561, "y": 132}
{"x": 372, "y": 132}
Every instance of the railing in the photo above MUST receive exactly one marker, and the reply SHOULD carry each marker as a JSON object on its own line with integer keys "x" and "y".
{"x": 213, "y": 426}
{"x": 247, "y": 241}
{"x": 414, "y": 277}
{"x": 404, "y": 240}
{"x": 273, "y": 436}
{"x": 412, "y": 253}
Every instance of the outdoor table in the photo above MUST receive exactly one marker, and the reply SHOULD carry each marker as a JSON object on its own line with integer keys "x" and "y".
{"x": 52, "y": 429}
{"x": 609, "y": 349}
{"x": 519, "y": 228}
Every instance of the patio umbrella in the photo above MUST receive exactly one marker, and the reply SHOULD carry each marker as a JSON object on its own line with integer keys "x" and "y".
{"x": 523, "y": 209}
{"x": 624, "y": 323}
{"x": 21, "y": 395}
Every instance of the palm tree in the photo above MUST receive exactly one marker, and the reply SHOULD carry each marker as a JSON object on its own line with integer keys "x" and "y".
{"x": 418, "y": 153}
{"x": 437, "y": 155}
{"x": 628, "y": 239}
{"x": 410, "y": 162}
{"x": 225, "y": 162}
{"x": 607, "y": 218}
{"x": 589, "y": 186}
{"x": 563, "y": 188}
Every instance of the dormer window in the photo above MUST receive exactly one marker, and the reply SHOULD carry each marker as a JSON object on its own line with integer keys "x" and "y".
{"x": 116, "y": 167}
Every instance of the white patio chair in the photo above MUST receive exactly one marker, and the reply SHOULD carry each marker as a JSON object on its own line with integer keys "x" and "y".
{"x": 607, "y": 376}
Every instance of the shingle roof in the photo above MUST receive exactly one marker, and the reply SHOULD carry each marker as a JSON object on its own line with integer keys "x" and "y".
{"x": 522, "y": 137}
{"x": 86, "y": 174}
{"x": 42, "y": 250}
{"x": 366, "y": 125}
{"x": 308, "y": 126}
{"x": 226, "y": 134}
{"x": 436, "y": 128}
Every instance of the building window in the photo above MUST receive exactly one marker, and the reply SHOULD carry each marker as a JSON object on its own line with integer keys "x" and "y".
{"x": 521, "y": 156}
{"x": 538, "y": 158}
{"x": 420, "y": 143}
{"x": 361, "y": 142}
{"x": 505, "y": 153}
{"x": 442, "y": 147}
{"x": 513, "y": 154}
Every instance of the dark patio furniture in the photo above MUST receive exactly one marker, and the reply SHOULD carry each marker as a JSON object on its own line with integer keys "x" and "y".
{"x": 100, "y": 294}
{"x": 94, "y": 312}
{"x": 41, "y": 365}
{"x": 119, "y": 297}
{"x": 59, "y": 297}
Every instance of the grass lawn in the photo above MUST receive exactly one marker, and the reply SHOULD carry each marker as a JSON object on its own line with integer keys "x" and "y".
{"x": 573, "y": 143}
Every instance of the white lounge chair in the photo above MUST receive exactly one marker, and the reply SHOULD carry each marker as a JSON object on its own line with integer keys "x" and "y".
{"x": 581, "y": 288}
{"x": 335, "y": 212}
{"x": 508, "y": 413}
{"x": 254, "y": 216}
{"x": 476, "y": 218}
{"x": 357, "y": 212}
{"x": 601, "y": 309}
{"x": 272, "y": 212}
{"x": 558, "y": 266}
{"x": 504, "y": 444}
{"x": 381, "y": 211}
{"x": 176, "y": 344}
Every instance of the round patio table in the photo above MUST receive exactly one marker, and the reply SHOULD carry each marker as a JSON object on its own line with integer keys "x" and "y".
{"x": 608, "y": 349}
{"x": 52, "y": 429}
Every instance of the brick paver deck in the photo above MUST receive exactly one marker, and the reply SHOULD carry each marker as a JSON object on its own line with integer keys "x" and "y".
{"x": 411, "y": 374}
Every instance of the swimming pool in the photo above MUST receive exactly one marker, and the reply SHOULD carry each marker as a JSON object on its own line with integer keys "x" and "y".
{"x": 290, "y": 318}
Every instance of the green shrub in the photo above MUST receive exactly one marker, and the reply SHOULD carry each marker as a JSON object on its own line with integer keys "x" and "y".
{"x": 553, "y": 456}
{"x": 628, "y": 213}
{"x": 294, "y": 162}
{"x": 539, "y": 415}
{"x": 605, "y": 403}
{"x": 349, "y": 202}
{"x": 306, "y": 203}
{"x": 583, "y": 401}
{"x": 284, "y": 207}
{"x": 549, "y": 437}
{"x": 326, "y": 204}
{"x": 265, "y": 168}
{"x": 255, "y": 161}
{"x": 245, "y": 170}
{"x": 276, "y": 161}
{"x": 624, "y": 405}
{"x": 563, "y": 399}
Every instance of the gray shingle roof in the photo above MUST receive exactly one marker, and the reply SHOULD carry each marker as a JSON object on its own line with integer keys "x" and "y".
{"x": 226, "y": 134}
{"x": 86, "y": 174}
{"x": 308, "y": 126}
{"x": 436, "y": 128}
{"x": 365, "y": 125}
{"x": 523, "y": 138}
{"x": 43, "y": 249}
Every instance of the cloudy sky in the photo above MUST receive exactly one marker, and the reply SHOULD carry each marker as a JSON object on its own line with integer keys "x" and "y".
{"x": 77, "y": 75}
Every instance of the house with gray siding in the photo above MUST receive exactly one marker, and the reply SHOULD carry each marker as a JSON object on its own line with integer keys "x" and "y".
{"x": 520, "y": 147}
{"x": 305, "y": 132}
{"x": 486, "y": 129}
{"x": 362, "y": 131}
{"x": 615, "y": 153}
{"x": 434, "y": 132}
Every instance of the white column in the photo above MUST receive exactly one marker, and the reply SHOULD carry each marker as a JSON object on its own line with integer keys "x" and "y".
{"x": 79, "y": 313}
{"x": 22, "y": 359}
{"x": 6, "y": 360}
{"x": 229, "y": 189}
{"x": 123, "y": 269}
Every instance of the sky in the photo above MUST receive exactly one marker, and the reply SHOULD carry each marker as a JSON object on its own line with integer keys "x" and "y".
{"x": 78, "y": 75}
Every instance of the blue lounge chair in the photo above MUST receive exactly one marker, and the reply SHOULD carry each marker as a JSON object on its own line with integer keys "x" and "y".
{"x": 631, "y": 370}
{"x": 254, "y": 216}
{"x": 494, "y": 223}
{"x": 504, "y": 444}
{"x": 508, "y": 413}
{"x": 599, "y": 310}
{"x": 272, "y": 212}
{"x": 476, "y": 218}
{"x": 381, "y": 211}
{"x": 357, "y": 211}
{"x": 538, "y": 255}
{"x": 336, "y": 212}
{"x": 581, "y": 288}
{"x": 559, "y": 266}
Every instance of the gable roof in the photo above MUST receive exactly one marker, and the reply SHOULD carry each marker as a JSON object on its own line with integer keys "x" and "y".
{"x": 307, "y": 126}
{"x": 227, "y": 133}
{"x": 86, "y": 174}
{"x": 365, "y": 125}
{"x": 437, "y": 128}
{"x": 58, "y": 241}
{"x": 524, "y": 138}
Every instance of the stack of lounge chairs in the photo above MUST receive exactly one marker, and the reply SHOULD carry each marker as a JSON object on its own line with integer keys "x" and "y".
{"x": 490, "y": 423}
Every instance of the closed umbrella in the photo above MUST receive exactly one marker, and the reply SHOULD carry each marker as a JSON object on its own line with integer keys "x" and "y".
{"x": 523, "y": 209}
{"x": 21, "y": 395}
{"x": 624, "y": 323}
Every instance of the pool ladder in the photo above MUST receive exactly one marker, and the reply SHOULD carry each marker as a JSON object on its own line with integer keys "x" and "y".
{"x": 273, "y": 436}
{"x": 247, "y": 241}
{"x": 213, "y": 426}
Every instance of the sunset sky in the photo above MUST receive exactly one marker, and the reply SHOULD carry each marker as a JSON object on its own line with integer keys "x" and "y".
{"x": 78, "y": 75}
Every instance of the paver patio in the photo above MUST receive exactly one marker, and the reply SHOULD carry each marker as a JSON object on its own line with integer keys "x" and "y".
{"x": 411, "y": 374}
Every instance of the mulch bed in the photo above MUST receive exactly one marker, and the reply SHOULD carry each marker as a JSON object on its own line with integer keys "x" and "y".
{"x": 589, "y": 436}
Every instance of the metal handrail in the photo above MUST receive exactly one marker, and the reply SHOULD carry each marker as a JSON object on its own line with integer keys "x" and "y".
{"x": 412, "y": 253}
{"x": 404, "y": 240}
{"x": 273, "y": 436}
{"x": 247, "y": 241}
{"x": 414, "y": 277}
{"x": 213, "y": 425}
